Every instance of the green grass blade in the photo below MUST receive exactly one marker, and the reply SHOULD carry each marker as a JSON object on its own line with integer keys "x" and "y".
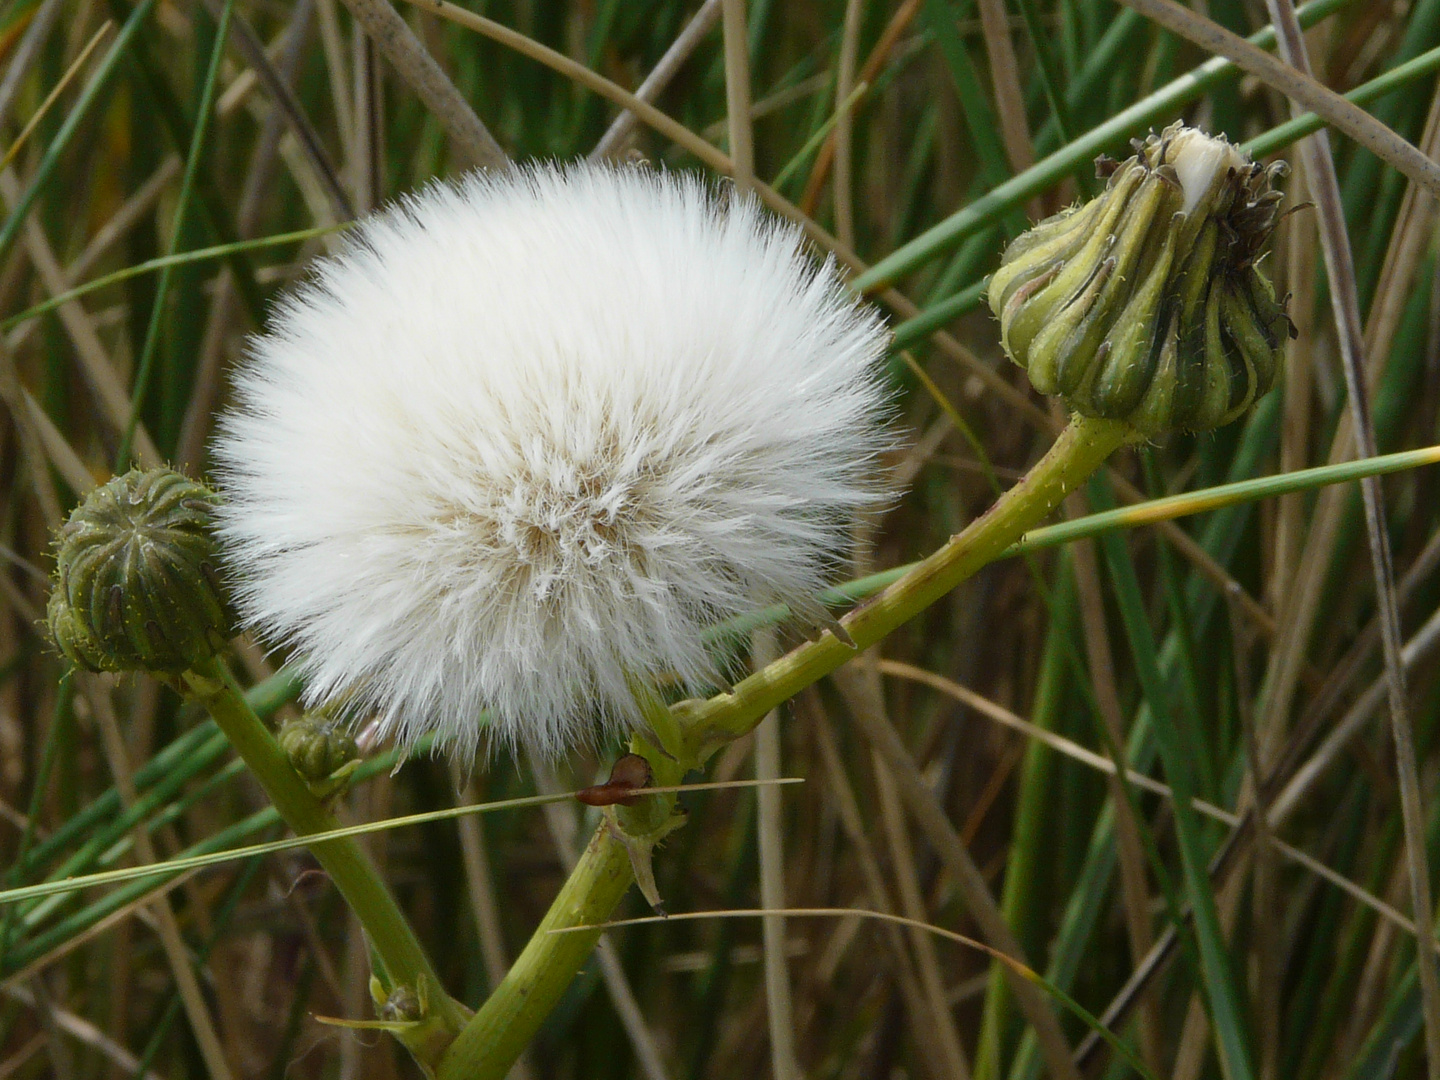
{"x": 1029, "y": 844}
{"x": 979, "y": 117}
{"x": 184, "y": 258}
{"x": 182, "y": 209}
{"x": 1396, "y": 78}
{"x": 1224, "y": 1004}
{"x": 77, "y": 115}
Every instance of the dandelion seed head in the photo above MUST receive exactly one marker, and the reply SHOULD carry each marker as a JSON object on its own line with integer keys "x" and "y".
{"x": 531, "y": 434}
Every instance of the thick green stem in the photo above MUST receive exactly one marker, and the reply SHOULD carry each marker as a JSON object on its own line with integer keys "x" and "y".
{"x": 493, "y": 1039}
{"x": 619, "y": 850}
{"x": 394, "y": 942}
{"x": 495, "y": 1036}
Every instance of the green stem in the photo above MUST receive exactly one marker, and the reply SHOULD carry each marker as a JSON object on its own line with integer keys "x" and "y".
{"x": 494, "y": 1037}
{"x": 506, "y": 1022}
{"x": 497, "y": 1033}
{"x": 404, "y": 961}
{"x": 1077, "y": 452}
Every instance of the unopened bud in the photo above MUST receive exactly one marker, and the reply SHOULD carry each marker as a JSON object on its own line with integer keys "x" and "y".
{"x": 135, "y": 584}
{"x": 1147, "y": 304}
{"x": 323, "y": 753}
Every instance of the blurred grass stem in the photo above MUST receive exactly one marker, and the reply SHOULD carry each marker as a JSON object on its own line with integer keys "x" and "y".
{"x": 145, "y": 363}
{"x": 770, "y": 823}
{"x": 1339, "y": 269}
{"x": 614, "y": 139}
{"x": 471, "y": 139}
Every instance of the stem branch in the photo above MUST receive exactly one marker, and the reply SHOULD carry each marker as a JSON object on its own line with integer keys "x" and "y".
{"x": 494, "y": 1037}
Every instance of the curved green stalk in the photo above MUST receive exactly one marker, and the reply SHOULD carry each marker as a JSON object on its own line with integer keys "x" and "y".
{"x": 494, "y": 1037}
{"x": 1077, "y": 452}
{"x": 392, "y": 940}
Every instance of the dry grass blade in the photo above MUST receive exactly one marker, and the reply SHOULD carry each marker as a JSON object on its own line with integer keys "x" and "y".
{"x": 1299, "y": 606}
{"x": 27, "y": 52}
{"x": 1301, "y": 779}
{"x": 1421, "y": 644}
{"x": 97, "y": 692}
{"x": 1021, "y": 969}
{"x": 770, "y": 824}
{"x": 1407, "y": 247}
{"x": 94, "y": 359}
{"x": 58, "y": 452}
{"x": 1339, "y": 267}
{"x": 206, "y": 384}
{"x": 1131, "y": 850}
{"x": 278, "y": 88}
{"x": 660, "y": 75}
{"x": 980, "y": 904}
{"x": 911, "y": 900}
{"x": 1265, "y": 913}
{"x": 20, "y": 1057}
{"x": 860, "y": 684}
{"x": 1071, "y": 749}
{"x": 480, "y": 884}
{"x": 879, "y": 56}
{"x": 472, "y": 139}
{"x": 844, "y": 123}
{"x": 1009, "y": 98}
{"x": 85, "y": 1032}
{"x": 39, "y": 114}
{"x": 737, "y": 93}
{"x": 1299, "y": 246}
{"x": 928, "y": 1011}
{"x": 130, "y": 214}
{"x": 526, "y": 46}
{"x": 32, "y": 443}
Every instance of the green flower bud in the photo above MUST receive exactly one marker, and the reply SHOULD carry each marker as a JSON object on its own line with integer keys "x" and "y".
{"x": 402, "y": 1005}
{"x": 1147, "y": 304}
{"x": 323, "y": 753}
{"x": 135, "y": 584}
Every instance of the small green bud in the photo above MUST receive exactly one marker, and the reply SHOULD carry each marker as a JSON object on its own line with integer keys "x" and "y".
{"x": 1147, "y": 304}
{"x": 323, "y": 753}
{"x": 135, "y": 585}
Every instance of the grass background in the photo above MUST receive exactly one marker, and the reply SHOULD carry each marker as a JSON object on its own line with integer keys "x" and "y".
{"x": 1249, "y": 631}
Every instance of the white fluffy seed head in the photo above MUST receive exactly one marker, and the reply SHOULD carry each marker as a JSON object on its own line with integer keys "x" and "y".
{"x": 530, "y": 435}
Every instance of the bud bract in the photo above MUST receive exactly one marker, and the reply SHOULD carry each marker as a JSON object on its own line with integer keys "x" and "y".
{"x": 135, "y": 585}
{"x": 1146, "y": 304}
{"x": 322, "y": 752}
